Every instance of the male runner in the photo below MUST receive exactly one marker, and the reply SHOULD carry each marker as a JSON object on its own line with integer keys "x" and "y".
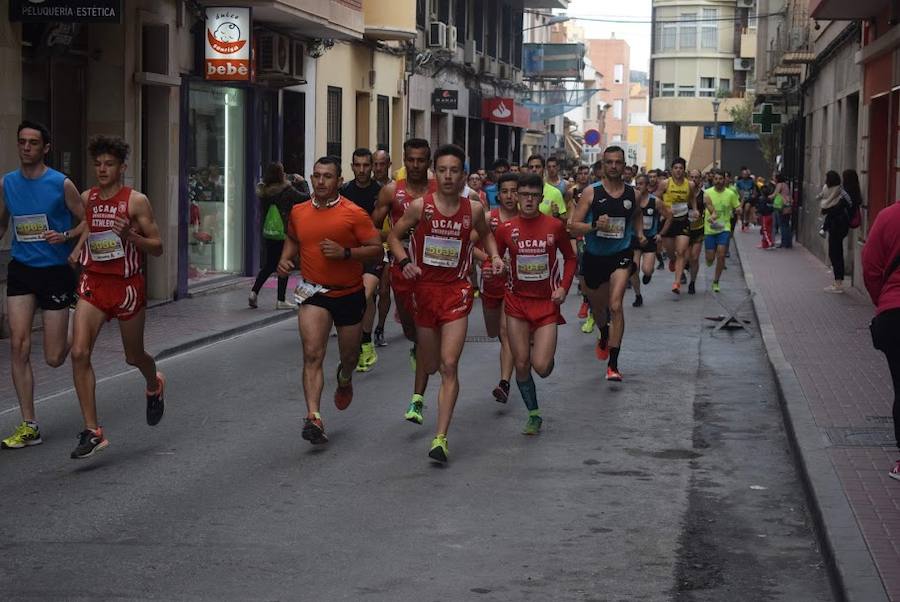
{"x": 554, "y": 179}
{"x": 676, "y": 193}
{"x": 536, "y": 290}
{"x": 721, "y": 202}
{"x": 696, "y": 233}
{"x": 45, "y": 208}
{"x": 335, "y": 239}
{"x": 393, "y": 202}
{"x": 553, "y": 203}
{"x": 381, "y": 167}
{"x": 744, "y": 185}
{"x": 628, "y": 176}
{"x": 439, "y": 256}
{"x": 608, "y": 217}
{"x": 493, "y": 286}
{"x": 491, "y": 187}
{"x": 645, "y": 255}
{"x": 363, "y": 191}
{"x": 654, "y": 179}
{"x": 582, "y": 182}
{"x": 120, "y": 230}
{"x": 381, "y": 171}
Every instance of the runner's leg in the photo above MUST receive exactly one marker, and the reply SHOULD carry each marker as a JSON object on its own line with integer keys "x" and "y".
{"x": 20, "y": 310}
{"x": 681, "y": 249}
{"x": 636, "y": 277}
{"x": 720, "y": 260}
{"x": 695, "y": 252}
{"x": 506, "y": 358}
{"x": 452, "y": 339}
{"x": 88, "y": 322}
{"x": 315, "y": 324}
{"x": 56, "y": 336}
{"x": 132, "y": 332}
{"x": 384, "y": 298}
{"x": 617, "y": 281}
{"x": 544, "y": 350}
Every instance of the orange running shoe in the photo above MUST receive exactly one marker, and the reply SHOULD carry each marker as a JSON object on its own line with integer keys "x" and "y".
{"x": 613, "y": 375}
{"x": 314, "y": 430}
{"x": 343, "y": 395}
{"x": 601, "y": 350}
{"x": 676, "y": 288}
{"x": 583, "y": 310}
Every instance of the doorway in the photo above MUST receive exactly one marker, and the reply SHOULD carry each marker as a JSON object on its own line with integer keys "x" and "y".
{"x": 293, "y": 136}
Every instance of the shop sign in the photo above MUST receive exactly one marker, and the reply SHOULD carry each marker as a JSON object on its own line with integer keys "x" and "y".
{"x": 553, "y": 61}
{"x": 445, "y": 100}
{"x": 227, "y": 43}
{"x": 66, "y": 11}
{"x": 505, "y": 111}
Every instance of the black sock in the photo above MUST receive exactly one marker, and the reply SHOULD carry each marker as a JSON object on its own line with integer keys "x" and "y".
{"x": 379, "y": 329}
{"x": 604, "y": 332}
{"x": 367, "y": 337}
{"x": 614, "y": 358}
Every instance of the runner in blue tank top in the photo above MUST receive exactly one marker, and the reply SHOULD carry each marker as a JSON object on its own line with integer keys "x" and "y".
{"x": 608, "y": 217}
{"x": 46, "y": 213}
{"x": 652, "y": 210}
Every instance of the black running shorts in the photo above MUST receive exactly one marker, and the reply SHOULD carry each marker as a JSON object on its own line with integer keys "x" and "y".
{"x": 596, "y": 269}
{"x": 345, "y": 311}
{"x": 52, "y": 286}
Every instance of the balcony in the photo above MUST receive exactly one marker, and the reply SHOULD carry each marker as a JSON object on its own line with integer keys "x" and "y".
{"x": 689, "y": 110}
{"x": 845, "y": 10}
{"x": 390, "y": 19}
{"x": 748, "y": 44}
{"x": 337, "y": 19}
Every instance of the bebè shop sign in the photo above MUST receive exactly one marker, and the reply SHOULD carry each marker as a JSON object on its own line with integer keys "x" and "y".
{"x": 227, "y": 43}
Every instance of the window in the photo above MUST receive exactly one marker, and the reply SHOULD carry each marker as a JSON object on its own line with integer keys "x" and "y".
{"x": 618, "y": 73}
{"x": 668, "y": 90}
{"x": 334, "y": 125}
{"x": 383, "y": 124}
{"x": 478, "y": 16}
{"x": 617, "y": 109}
{"x": 505, "y": 37}
{"x": 707, "y": 86}
{"x": 656, "y": 88}
{"x": 460, "y": 20}
{"x": 710, "y": 29}
{"x": 688, "y": 31}
{"x": 493, "y": 27}
{"x": 518, "y": 24}
{"x": 686, "y": 91}
{"x": 617, "y": 138}
{"x": 443, "y": 11}
{"x": 667, "y": 37}
{"x": 420, "y": 13}
{"x": 724, "y": 85}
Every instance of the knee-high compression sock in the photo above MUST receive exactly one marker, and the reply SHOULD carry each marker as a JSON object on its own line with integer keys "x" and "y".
{"x": 366, "y": 337}
{"x": 614, "y": 358}
{"x": 528, "y": 392}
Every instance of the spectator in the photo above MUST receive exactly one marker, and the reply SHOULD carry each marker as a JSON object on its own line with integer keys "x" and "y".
{"x": 274, "y": 192}
{"x": 476, "y": 184}
{"x": 880, "y": 261}
{"x": 764, "y": 210}
{"x": 783, "y": 204}
{"x": 834, "y": 205}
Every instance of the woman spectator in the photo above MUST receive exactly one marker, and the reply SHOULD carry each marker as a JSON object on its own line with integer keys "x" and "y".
{"x": 880, "y": 261}
{"x": 477, "y": 185}
{"x": 834, "y": 205}
{"x": 783, "y": 204}
{"x": 276, "y": 199}
{"x": 764, "y": 210}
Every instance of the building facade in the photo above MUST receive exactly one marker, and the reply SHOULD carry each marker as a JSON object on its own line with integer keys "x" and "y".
{"x": 612, "y": 58}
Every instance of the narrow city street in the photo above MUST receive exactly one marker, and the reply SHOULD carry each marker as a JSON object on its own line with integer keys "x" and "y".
{"x": 674, "y": 485}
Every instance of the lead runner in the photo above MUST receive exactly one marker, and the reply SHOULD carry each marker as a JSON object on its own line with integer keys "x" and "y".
{"x": 439, "y": 259}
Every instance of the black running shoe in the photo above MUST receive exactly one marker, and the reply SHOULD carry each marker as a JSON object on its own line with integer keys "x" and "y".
{"x": 692, "y": 290}
{"x": 638, "y": 301}
{"x": 646, "y": 278}
{"x": 156, "y": 403}
{"x": 683, "y": 278}
{"x": 379, "y": 338}
{"x": 89, "y": 442}
{"x": 501, "y": 391}
{"x": 314, "y": 430}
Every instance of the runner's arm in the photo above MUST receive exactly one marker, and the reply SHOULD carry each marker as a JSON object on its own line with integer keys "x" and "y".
{"x": 666, "y": 214}
{"x": 576, "y": 225}
{"x": 75, "y": 204}
{"x": 570, "y": 263}
{"x": 147, "y": 239}
{"x": 289, "y": 252}
{"x": 707, "y": 200}
{"x": 638, "y": 224}
{"x": 369, "y": 248}
{"x": 401, "y": 230}
{"x": 80, "y": 233}
{"x": 480, "y": 225}
{"x": 383, "y": 206}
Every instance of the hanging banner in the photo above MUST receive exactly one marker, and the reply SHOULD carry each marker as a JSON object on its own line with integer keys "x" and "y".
{"x": 227, "y": 43}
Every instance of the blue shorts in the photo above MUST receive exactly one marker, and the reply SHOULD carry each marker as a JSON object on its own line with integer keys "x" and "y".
{"x": 716, "y": 240}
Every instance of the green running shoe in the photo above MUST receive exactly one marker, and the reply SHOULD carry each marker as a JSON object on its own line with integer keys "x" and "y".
{"x": 588, "y": 326}
{"x": 362, "y": 364}
{"x": 414, "y": 411}
{"x": 533, "y": 426}
{"x": 25, "y": 435}
{"x": 368, "y": 349}
{"x": 439, "y": 451}
{"x": 716, "y": 288}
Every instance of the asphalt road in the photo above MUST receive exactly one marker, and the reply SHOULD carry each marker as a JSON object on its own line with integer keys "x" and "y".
{"x": 674, "y": 485}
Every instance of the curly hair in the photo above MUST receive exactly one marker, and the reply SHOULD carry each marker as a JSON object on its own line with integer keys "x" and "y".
{"x": 108, "y": 145}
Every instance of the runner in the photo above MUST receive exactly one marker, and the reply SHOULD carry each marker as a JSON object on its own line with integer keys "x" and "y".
{"x": 582, "y": 181}
{"x": 554, "y": 179}
{"x": 676, "y": 193}
{"x": 493, "y": 286}
{"x": 500, "y": 167}
{"x": 608, "y": 217}
{"x": 645, "y": 255}
{"x": 381, "y": 171}
{"x": 439, "y": 256}
{"x": 721, "y": 203}
{"x": 363, "y": 191}
{"x": 696, "y": 233}
{"x": 120, "y": 230}
{"x": 536, "y": 290}
{"x": 744, "y": 185}
{"x": 45, "y": 208}
{"x": 553, "y": 203}
{"x": 381, "y": 167}
{"x": 335, "y": 239}
{"x": 392, "y": 202}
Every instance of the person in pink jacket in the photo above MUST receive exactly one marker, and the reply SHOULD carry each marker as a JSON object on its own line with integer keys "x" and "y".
{"x": 881, "y": 273}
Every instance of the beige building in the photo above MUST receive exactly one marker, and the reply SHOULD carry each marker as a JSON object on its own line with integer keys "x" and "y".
{"x": 701, "y": 49}
{"x": 612, "y": 58}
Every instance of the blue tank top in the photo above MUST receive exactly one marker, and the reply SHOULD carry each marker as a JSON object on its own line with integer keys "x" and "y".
{"x": 36, "y": 206}
{"x": 617, "y": 235}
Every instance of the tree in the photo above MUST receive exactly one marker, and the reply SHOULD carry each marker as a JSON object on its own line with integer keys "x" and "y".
{"x": 769, "y": 144}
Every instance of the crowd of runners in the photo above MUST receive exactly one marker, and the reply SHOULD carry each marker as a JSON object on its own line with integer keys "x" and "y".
{"x": 431, "y": 235}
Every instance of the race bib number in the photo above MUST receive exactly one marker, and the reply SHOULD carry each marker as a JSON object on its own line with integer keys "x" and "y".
{"x": 530, "y": 268}
{"x": 441, "y": 252}
{"x": 648, "y": 222}
{"x": 305, "y": 290}
{"x": 30, "y": 228}
{"x": 679, "y": 209}
{"x": 614, "y": 228}
{"x": 105, "y": 246}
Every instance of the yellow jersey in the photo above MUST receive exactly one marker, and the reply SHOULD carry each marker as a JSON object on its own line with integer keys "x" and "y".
{"x": 676, "y": 197}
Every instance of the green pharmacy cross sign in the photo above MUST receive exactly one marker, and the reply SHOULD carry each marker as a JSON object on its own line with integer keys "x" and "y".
{"x": 767, "y": 118}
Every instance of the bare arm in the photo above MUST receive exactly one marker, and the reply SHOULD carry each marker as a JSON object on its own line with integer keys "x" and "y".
{"x": 4, "y": 213}
{"x": 146, "y": 238}
{"x": 288, "y": 253}
{"x": 401, "y": 229}
{"x": 480, "y": 225}
{"x": 709, "y": 207}
{"x": 383, "y": 206}
{"x": 577, "y": 227}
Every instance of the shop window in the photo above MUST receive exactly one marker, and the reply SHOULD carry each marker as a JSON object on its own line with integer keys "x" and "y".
{"x": 383, "y": 124}
{"x": 334, "y": 125}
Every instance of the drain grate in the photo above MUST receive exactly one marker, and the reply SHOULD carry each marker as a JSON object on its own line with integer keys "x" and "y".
{"x": 861, "y": 436}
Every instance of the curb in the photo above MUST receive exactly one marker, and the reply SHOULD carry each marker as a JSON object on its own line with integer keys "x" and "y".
{"x": 228, "y": 333}
{"x": 852, "y": 568}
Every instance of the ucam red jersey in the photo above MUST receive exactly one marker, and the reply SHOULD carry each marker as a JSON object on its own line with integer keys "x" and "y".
{"x": 532, "y": 244}
{"x": 441, "y": 245}
{"x": 402, "y": 199}
{"x": 105, "y": 252}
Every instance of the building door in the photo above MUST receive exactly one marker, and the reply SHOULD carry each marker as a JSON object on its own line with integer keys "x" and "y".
{"x": 293, "y": 133}
{"x": 459, "y": 131}
{"x": 437, "y": 130}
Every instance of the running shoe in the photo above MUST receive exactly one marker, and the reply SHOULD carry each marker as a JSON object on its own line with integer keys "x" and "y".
{"x": 692, "y": 290}
{"x": 252, "y": 300}
{"x": 533, "y": 426}
{"x": 588, "y": 326}
{"x": 501, "y": 391}
{"x": 314, "y": 430}
{"x": 412, "y": 358}
{"x": 414, "y": 411}
{"x": 284, "y": 305}
{"x": 660, "y": 264}
{"x": 895, "y": 471}
{"x": 156, "y": 403}
{"x": 379, "y": 338}
{"x": 371, "y": 354}
{"x": 834, "y": 289}
{"x": 683, "y": 278}
{"x": 638, "y": 301}
{"x": 601, "y": 350}
{"x": 439, "y": 451}
{"x": 343, "y": 395}
{"x": 583, "y": 310}
{"x": 676, "y": 288}
{"x": 646, "y": 278}
{"x": 716, "y": 288}
{"x": 476, "y": 293}
{"x": 25, "y": 435}
{"x": 613, "y": 375}
{"x": 89, "y": 442}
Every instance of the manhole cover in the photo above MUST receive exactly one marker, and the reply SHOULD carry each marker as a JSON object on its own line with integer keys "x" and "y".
{"x": 861, "y": 437}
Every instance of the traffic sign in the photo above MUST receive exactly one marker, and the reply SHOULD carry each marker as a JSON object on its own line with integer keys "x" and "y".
{"x": 592, "y": 137}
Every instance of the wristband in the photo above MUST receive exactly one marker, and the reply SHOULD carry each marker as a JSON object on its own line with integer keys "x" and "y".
{"x": 404, "y": 262}
{"x": 347, "y": 253}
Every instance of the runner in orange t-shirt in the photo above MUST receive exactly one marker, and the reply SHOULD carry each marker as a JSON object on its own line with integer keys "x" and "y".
{"x": 334, "y": 238}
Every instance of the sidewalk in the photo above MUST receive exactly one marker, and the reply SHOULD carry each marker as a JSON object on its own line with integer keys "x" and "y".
{"x": 836, "y": 395}
{"x": 171, "y": 328}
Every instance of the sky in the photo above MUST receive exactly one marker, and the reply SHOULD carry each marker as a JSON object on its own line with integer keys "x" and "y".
{"x": 637, "y": 35}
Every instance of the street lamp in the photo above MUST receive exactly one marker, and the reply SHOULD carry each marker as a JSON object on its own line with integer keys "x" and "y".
{"x": 716, "y": 103}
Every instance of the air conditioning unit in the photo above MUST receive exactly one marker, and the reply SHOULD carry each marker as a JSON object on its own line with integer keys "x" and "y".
{"x": 746, "y": 3}
{"x": 782, "y": 82}
{"x": 451, "y": 37}
{"x": 437, "y": 35}
{"x": 298, "y": 60}
{"x": 743, "y": 64}
{"x": 505, "y": 71}
{"x": 274, "y": 53}
{"x": 484, "y": 64}
{"x": 469, "y": 52}
{"x": 516, "y": 75}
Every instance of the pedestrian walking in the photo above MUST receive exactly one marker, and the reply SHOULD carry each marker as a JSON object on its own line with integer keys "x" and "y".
{"x": 765, "y": 211}
{"x": 881, "y": 260}
{"x": 784, "y": 209}
{"x": 834, "y": 205}
{"x": 277, "y": 196}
